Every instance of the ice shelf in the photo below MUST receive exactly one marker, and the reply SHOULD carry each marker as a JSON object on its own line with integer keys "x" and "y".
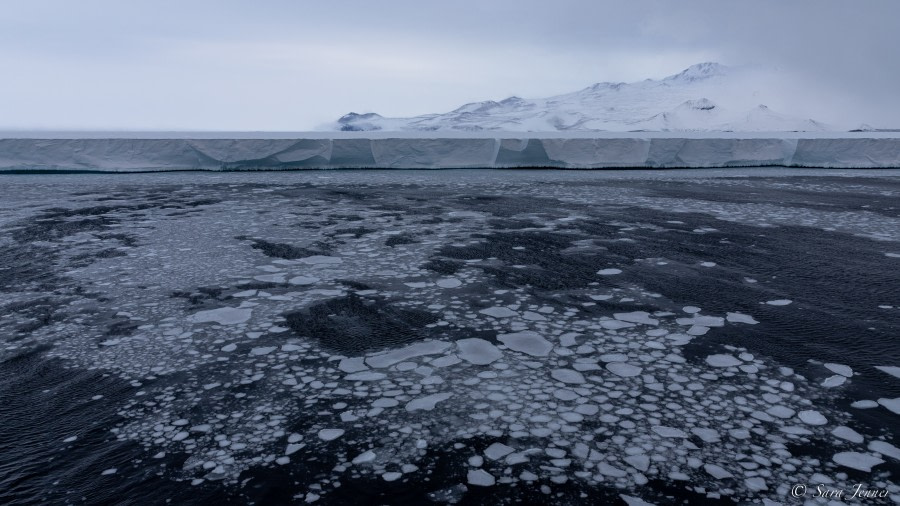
{"x": 131, "y": 152}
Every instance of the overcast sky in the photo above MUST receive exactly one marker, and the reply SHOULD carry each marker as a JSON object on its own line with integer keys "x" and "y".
{"x": 295, "y": 64}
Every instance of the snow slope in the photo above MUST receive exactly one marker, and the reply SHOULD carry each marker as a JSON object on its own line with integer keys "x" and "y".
{"x": 703, "y": 97}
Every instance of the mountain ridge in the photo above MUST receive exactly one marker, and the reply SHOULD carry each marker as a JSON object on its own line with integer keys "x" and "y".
{"x": 679, "y": 102}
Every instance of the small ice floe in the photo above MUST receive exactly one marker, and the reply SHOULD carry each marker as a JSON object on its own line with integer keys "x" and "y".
{"x": 534, "y": 317}
{"x": 392, "y": 357}
{"x": 70, "y": 439}
{"x": 889, "y": 369}
{"x": 527, "y": 341}
{"x": 109, "y": 471}
{"x": 391, "y": 476}
{"x": 320, "y": 260}
{"x": 864, "y": 404}
{"x": 841, "y": 369}
{"x": 859, "y": 461}
{"x": 847, "y": 434}
{"x": 812, "y": 417}
{"x": 353, "y": 364}
{"x": 330, "y": 434}
{"x": 642, "y": 317}
{"x": 664, "y": 431}
{"x": 448, "y": 283}
{"x": 892, "y": 405}
{"x": 885, "y": 448}
{"x": 834, "y": 381}
{"x": 717, "y": 472}
{"x": 499, "y": 312}
{"x": 623, "y": 370}
{"x": 244, "y": 294}
{"x": 740, "y": 318}
{"x": 364, "y": 458}
{"x": 779, "y": 302}
{"x": 568, "y": 376}
{"x": 723, "y": 361}
{"x": 417, "y": 284}
{"x": 691, "y": 309}
{"x": 635, "y": 501}
{"x": 892, "y": 255}
{"x": 270, "y": 278}
{"x": 262, "y": 350}
{"x": 478, "y": 351}
{"x": 222, "y": 316}
{"x": 303, "y": 280}
{"x": 480, "y": 478}
{"x": 428, "y": 402}
{"x": 229, "y": 347}
{"x": 708, "y": 264}
{"x": 497, "y": 451}
{"x": 365, "y": 376}
{"x": 609, "y": 272}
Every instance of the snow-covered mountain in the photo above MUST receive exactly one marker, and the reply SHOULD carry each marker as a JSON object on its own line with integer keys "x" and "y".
{"x": 703, "y": 97}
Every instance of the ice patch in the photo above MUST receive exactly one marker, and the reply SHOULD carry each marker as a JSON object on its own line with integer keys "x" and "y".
{"x": 779, "y": 302}
{"x": 892, "y": 405}
{"x": 664, "y": 431}
{"x": 497, "y": 451}
{"x": 609, "y": 272}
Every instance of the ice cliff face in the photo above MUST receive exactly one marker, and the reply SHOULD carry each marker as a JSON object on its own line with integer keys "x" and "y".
{"x": 696, "y": 99}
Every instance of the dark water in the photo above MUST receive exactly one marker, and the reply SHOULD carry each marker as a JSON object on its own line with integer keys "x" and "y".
{"x": 102, "y": 278}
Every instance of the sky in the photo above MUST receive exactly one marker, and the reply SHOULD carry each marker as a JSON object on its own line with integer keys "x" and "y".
{"x": 295, "y": 65}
